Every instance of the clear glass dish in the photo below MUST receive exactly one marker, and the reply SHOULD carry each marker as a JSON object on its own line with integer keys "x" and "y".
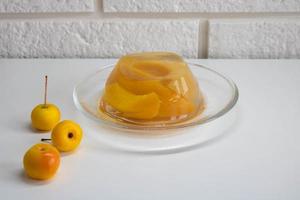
{"x": 220, "y": 94}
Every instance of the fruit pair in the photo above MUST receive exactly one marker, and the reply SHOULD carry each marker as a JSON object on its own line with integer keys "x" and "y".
{"x": 42, "y": 160}
{"x": 66, "y": 135}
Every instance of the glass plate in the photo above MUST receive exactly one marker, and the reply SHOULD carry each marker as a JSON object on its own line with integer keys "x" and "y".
{"x": 220, "y": 94}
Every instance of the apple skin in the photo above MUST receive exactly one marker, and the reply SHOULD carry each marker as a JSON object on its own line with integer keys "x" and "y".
{"x": 45, "y": 117}
{"x": 41, "y": 161}
{"x": 66, "y": 136}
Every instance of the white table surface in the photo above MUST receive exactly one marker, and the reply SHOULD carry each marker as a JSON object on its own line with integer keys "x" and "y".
{"x": 259, "y": 159}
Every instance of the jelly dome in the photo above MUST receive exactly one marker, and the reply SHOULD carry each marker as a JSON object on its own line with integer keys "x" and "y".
{"x": 151, "y": 87}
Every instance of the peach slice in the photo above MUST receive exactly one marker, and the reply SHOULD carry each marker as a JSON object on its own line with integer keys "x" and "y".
{"x": 172, "y": 104}
{"x": 131, "y": 105}
{"x": 175, "y": 107}
{"x": 186, "y": 86}
{"x": 176, "y": 98}
{"x": 153, "y": 85}
{"x": 143, "y": 86}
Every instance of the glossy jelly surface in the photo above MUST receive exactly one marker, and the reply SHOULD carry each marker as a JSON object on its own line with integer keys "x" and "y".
{"x": 155, "y": 87}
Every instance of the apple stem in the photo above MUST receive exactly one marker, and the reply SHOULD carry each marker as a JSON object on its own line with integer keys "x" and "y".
{"x": 45, "y": 92}
{"x": 45, "y": 139}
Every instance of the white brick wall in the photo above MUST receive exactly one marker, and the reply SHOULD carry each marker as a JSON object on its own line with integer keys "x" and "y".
{"x": 111, "y": 28}
{"x": 25, "y": 6}
{"x": 254, "y": 39}
{"x": 96, "y": 38}
{"x": 201, "y": 5}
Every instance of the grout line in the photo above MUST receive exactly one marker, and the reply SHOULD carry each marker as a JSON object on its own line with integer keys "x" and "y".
{"x": 203, "y": 39}
{"x": 207, "y": 30}
{"x": 206, "y": 39}
{"x": 200, "y": 39}
{"x": 200, "y": 15}
{"x": 99, "y": 7}
{"x": 100, "y": 14}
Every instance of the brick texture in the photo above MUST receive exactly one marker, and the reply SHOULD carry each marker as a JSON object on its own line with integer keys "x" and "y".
{"x": 96, "y": 38}
{"x": 201, "y": 5}
{"x": 32, "y": 6}
{"x": 254, "y": 39}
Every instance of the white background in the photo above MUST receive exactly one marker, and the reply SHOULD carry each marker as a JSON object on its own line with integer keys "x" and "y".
{"x": 258, "y": 159}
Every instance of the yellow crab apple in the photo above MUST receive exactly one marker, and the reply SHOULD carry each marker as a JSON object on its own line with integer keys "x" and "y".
{"x": 41, "y": 161}
{"x": 45, "y": 116}
{"x": 66, "y": 135}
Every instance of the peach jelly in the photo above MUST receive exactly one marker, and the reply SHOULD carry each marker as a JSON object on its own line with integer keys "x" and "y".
{"x": 151, "y": 86}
